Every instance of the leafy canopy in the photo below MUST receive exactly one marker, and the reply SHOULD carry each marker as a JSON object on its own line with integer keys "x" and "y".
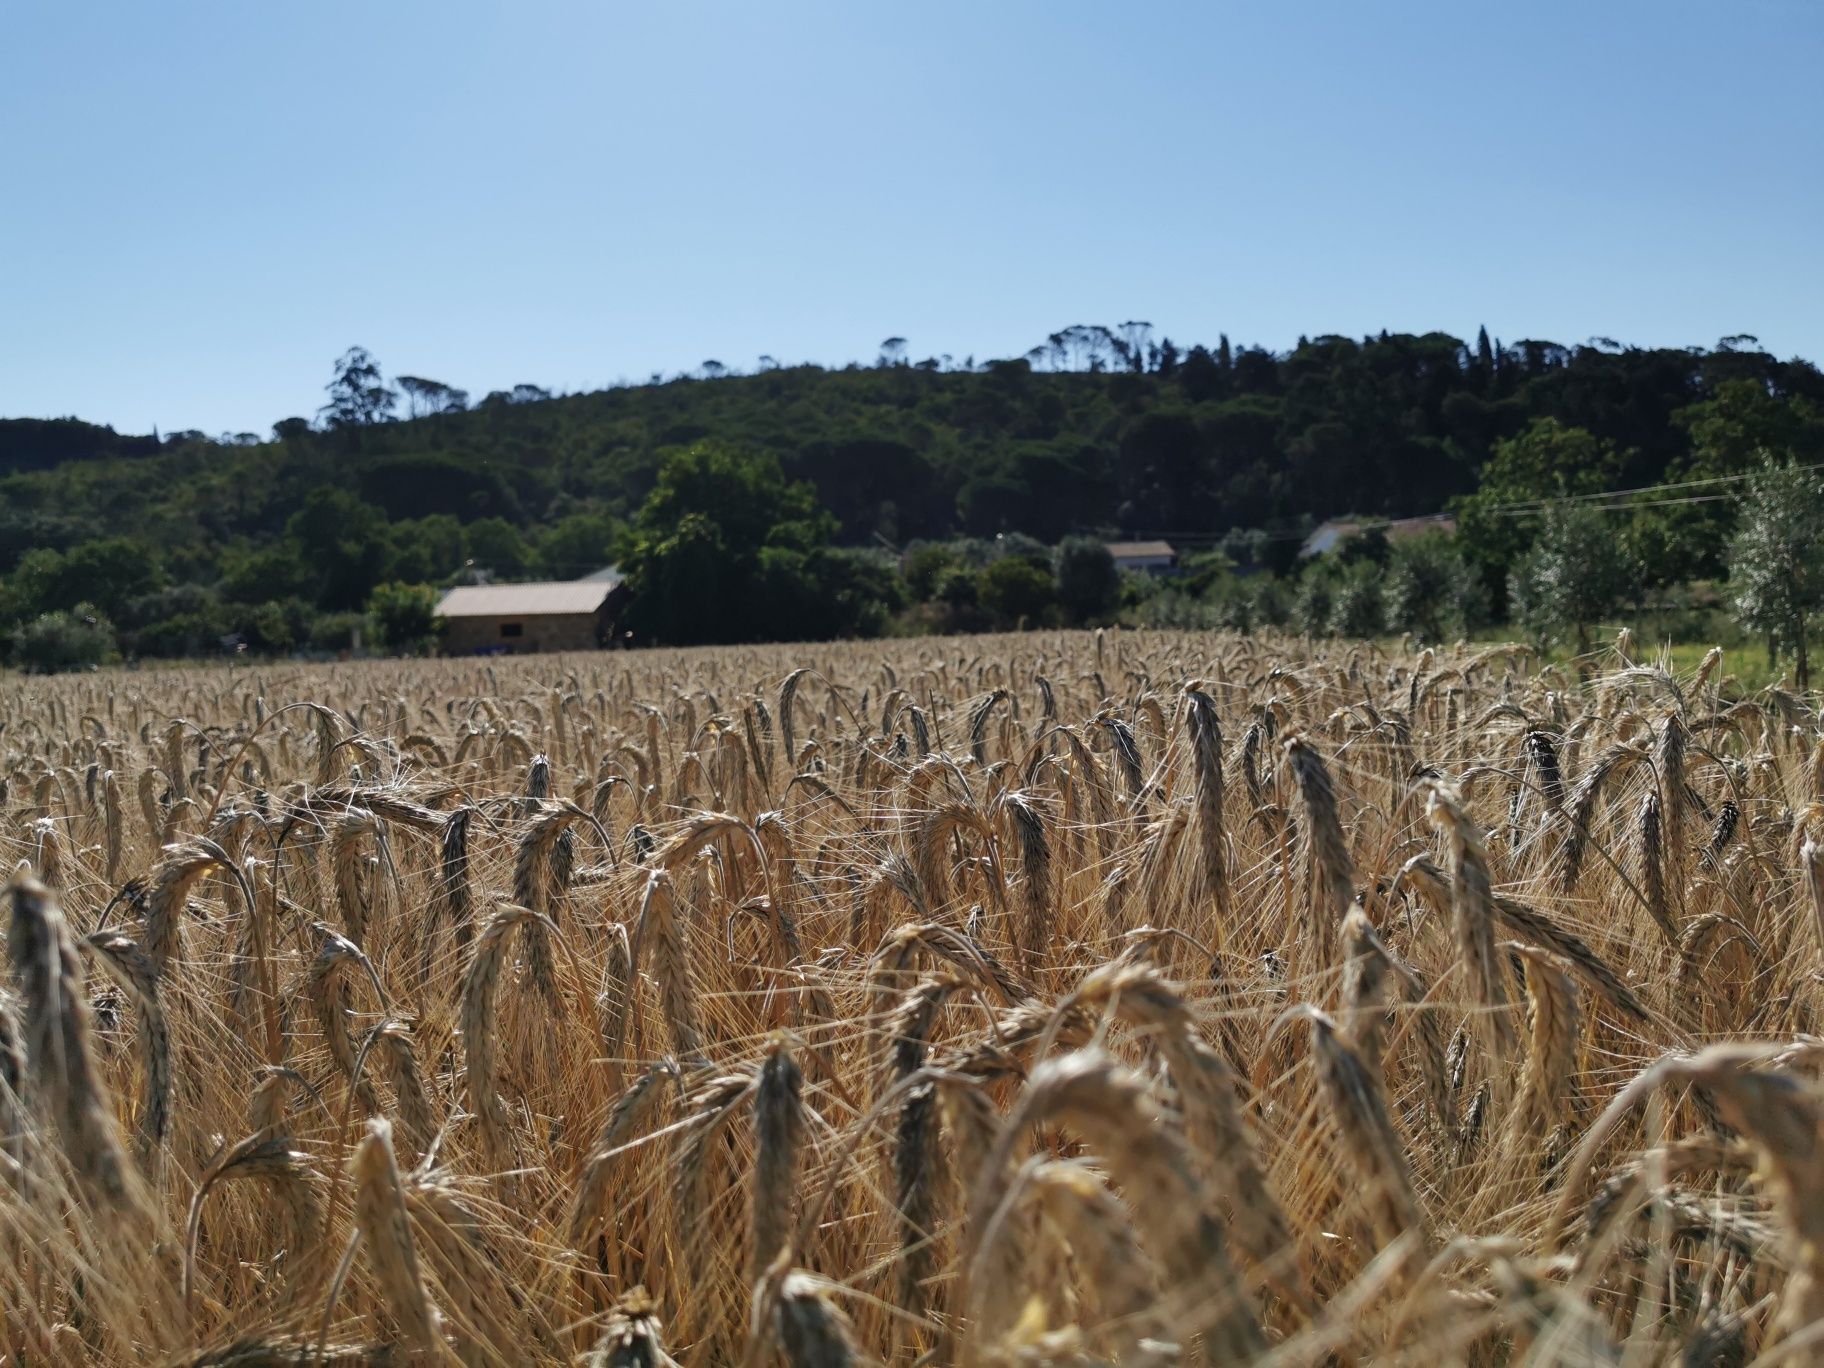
{"x": 1774, "y": 561}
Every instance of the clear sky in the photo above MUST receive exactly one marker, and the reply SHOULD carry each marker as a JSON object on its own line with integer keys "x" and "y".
{"x": 203, "y": 204}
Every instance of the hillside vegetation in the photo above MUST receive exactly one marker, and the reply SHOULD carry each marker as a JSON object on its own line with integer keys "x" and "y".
{"x": 1106, "y": 431}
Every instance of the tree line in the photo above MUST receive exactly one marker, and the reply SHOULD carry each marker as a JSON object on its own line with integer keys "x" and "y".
{"x": 1099, "y": 431}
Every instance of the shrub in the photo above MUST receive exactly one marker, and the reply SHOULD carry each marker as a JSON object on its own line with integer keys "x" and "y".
{"x": 925, "y": 567}
{"x": 1432, "y": 591}
{"x": 1773, "y": 560}
{"x": 183, "y": 635}
{"x": 1015, "y": 590}
{"x": 1573, "y": 576}
{"x": 338, "y": 632}
{"x": 1357, "y": 610}
{"x": 1088, "y": 583}
{"x": 405, "y": 615}
{"x": 1314, "y": 603}
{"x": 74, "y": 640}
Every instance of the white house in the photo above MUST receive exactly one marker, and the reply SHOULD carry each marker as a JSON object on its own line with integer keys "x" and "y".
{"x": 1152, "y": 557}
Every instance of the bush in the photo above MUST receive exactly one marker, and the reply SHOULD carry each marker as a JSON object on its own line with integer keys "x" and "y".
{"x": 1088, "y": 583}
{"x": 925, "y": 568}
{"x": 1175, "y": 610}
{"x": 1432, "y": 590}
{"x": 1357, "y": 610}
{"x": 1315, "y": 602}
{"x": 405, "y": 615}
{"x": 1015, "y": 590}
{"x": 1268, "y": 602}
{"x": 277, "y": 626}
{"x": 183, "y": 635}
{"x": 337, "y": 632}
{"x": 177, "y": 600}
{"x": 51, "y": 642}
{"x": 1573, "y": 576}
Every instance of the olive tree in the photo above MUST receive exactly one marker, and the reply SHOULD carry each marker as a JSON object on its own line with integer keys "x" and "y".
{"x": 1574, "y": 576}
{"x": 1774, "y": 559}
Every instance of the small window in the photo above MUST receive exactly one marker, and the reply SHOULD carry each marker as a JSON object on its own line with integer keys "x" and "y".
{"x": 512, "y": 629}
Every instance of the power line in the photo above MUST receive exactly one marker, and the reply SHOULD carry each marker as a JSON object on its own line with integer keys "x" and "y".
{"x": 1606, "y": 494}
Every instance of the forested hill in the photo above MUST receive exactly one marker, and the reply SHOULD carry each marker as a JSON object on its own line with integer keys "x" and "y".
{"x": 1096, "y": 430}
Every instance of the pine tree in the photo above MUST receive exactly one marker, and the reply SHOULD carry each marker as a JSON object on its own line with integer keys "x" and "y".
{"x": 1485, "y": 356}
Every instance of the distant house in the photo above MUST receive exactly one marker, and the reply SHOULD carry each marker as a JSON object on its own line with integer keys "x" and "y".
{"x": 1333, "y": 534}
{"x": 1151, "y": 557}
{"x": 521, "y": 619}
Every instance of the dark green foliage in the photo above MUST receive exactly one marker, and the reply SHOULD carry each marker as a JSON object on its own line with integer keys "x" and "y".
{"x": 256, "y": 574}
{"x": 499, "y": 547}
{"x": 725, "y": 548}
{"x": 190, "y": 634}
{"x": 342, "y": 542}
{"x": 925, "y": 566}
{"x": 577, "y": 544}
{"x": 74, "y": 640}
{"x": 426, "y": 550}
{"x": 405, "y": 615}
{"x": 1098, "y": 431}
{"x": 41, "y": 443}
{"x": 1016, "y": 591}
{"x": 337, "y": 632}
{"x": 1088, "y": 583}
{"x": 420, "y": 483}
{"x": 104, "y": 575}
{"x": 277, "y": 626}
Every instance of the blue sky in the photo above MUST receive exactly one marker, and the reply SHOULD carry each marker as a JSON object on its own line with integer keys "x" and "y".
{"x": 203, "y": 204}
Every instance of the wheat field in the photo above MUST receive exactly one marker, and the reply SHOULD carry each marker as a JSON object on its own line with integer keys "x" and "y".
{"x": 1049, "y": 999}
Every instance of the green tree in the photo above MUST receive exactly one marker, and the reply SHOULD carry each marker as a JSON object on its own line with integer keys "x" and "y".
{"x": 925, "y": 567}
{"x": 358, "y": 394}
{"x": 1432, "y": 590}
{"x": 1358, "y": 610}
{"x": 1314, "y": 602}
{"x": 343, "y": 541}
{"x": 405, "y": 614}
{"x": 1732, "y": 431}
{"x": 498, "y": 546}
{"x": 1015, "y": 591}
{"x": 278, "y": 626}
{"x": 1550, "y": 460}
{"x": 576, "y": 545}
{"x": 1089, "y": 585}
{"x": 258, "y": 574}
{"x": 958, "y": 591}
{"x": 693, "y": 554}
{"x": 104, "y": 575}
{"x": 1776, "y": 561}
{"x": 57, "y": 641}
{"x": 426, "y": 550}
{"x": 1575, "y": 574}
